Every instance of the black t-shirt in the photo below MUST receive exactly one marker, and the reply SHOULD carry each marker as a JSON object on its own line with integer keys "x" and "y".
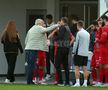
{"x": 63, "y": 37}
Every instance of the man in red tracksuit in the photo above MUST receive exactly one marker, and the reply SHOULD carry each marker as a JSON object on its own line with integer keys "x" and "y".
{"x": 104, "y": 51}
{"x": 95, "y": 62}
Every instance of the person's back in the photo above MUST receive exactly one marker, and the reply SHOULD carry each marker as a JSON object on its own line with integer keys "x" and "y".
{"x": 11, "y": 45}
{"x": 81, "y": 48}
{"x": 83, "y": 42}
{"x": 36, "y": 39}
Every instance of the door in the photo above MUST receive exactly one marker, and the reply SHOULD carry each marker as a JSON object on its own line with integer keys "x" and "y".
{"x": 32, "y": 15}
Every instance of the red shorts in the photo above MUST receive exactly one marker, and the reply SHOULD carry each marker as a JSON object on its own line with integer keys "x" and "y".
{"x": 41, "y": 58}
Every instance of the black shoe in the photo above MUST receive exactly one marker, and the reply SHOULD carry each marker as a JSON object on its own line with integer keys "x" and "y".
{"x": 30, "y": 83}
{"x": 66, "y": 84}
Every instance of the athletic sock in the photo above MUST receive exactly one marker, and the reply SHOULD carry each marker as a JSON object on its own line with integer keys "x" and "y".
{"x": 77, "y": 81}
{"x": 56, "y": 76}
{"x": 40, "y": 74}
{"x": 106, "y": 75}
{"x": 101, "y": 74}
{"x": 93, "y": 73}
{"x": 85, "y": 82}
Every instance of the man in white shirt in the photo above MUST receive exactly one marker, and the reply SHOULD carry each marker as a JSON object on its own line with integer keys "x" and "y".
{"x": 80, "y": 49}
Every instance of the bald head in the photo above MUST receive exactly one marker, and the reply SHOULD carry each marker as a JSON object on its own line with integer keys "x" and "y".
{"x": 39, "y": 22}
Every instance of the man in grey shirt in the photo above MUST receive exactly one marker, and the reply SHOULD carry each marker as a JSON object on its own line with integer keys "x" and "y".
{"x": 80, "y": 49}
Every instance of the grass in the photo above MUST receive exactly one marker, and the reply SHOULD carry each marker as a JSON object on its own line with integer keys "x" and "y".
{"x": 42, "y": 87}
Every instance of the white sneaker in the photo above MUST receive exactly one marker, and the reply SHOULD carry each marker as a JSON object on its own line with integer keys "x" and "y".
{"x": 60, "y": 85}
{"x": 48, "y": 77}
{"x": 35, "y": 81}
{"x": 76, "y": 85}
{"x": 70, "y": 83}
{"x": 94, "y": 82}
{"x": 84, "y": 85}
{"x": 7, "y": 81}
{"x": 105, "y": 85}
{"x": 41, "y": 82}
{"x": 98, "y": 85}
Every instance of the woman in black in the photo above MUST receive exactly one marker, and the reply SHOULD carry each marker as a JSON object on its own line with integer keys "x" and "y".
{"x": 11, "y": 43}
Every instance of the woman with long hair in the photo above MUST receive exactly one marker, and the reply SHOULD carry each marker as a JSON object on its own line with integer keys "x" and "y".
{"x": 11, "y": 44}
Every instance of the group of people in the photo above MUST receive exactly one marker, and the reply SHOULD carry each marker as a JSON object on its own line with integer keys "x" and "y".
{"x": 45, "y": 42}
{"x": 48, "y": 42}
{"x": 99, "y": 46}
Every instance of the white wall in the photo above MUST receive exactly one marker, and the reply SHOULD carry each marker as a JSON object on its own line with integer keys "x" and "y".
{"x": 102, "y": 7}
{"x": 53, "y": 8}
{"x": 16, "y": 10}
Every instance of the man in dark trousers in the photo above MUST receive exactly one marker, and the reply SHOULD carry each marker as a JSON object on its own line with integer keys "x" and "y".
{"x": 50, "y": 54}
{"x": 63, "y": 40}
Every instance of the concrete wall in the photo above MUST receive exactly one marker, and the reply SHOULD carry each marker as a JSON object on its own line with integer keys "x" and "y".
{"x": 102, "y": 7}
{"x": 53, "y": 8}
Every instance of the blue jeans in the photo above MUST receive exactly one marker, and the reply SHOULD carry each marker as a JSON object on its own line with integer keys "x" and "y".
{"x": 31, "y": 58}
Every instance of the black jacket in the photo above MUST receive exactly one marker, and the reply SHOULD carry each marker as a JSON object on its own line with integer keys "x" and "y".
{"x": 12, "y": 46}
{"x": 63, "y": 37}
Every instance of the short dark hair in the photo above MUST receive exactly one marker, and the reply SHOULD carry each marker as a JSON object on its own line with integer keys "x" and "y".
{"x": 105, "y": 17}
{"x": 74, "y": 17}
{"x": 95, "y": 23}
{"x": 49, "y": 16}
{"x": 80, "y": 23}
{"x": 65, "y": 20}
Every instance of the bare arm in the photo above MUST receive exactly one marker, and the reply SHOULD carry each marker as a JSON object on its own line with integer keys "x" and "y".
{"x": 52, "y": 34}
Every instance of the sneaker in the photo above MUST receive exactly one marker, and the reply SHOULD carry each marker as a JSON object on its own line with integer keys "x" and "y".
{"x": 98, "y": 85}
{"x": 34, "y": 80}
{"x": 76, "y": 85}
{"x": 60, "y": 84}
{"x": 105, "y": 85}
{"x": 66, "y": 84}
{"x": 70, "y": 83}
{"x": 31, "y": 83}
{"x": 7, "y": 81}
{"x": 41, "y": 82}
{"x": 55, "y": 83}
{"x": 48, "y": 77}
{"x": 94, "y": 82}
{"x": 84, "y": 85}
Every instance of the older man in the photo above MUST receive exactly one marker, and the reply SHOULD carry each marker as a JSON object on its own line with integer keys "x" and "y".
{"x": 36, "y": 40}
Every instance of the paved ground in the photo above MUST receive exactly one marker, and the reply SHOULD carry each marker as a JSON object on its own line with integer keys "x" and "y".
{"x": 22, "y": 80}
{"x": 19, "y": 79}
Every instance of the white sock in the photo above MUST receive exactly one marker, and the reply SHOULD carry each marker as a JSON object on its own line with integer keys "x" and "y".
{"x": 77, "y": 81}
{"x": 85, "y": 81}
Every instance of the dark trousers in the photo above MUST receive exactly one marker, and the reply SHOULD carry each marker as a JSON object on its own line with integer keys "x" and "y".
{"x": 11, "y": 61}
{"x": 49, "y": 57}
{"x": 31, "y": 57}
{"x": 62, "y": 58}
